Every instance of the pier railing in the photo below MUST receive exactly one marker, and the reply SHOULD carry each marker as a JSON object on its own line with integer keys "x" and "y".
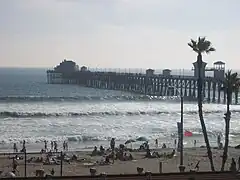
{"x": 147, "y": 84}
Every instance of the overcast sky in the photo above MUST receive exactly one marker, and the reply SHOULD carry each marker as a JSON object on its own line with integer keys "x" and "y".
{"x": 117, "y": 33}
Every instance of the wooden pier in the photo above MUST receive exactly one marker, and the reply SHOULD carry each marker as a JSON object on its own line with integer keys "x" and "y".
{"x": 147, "y": 84}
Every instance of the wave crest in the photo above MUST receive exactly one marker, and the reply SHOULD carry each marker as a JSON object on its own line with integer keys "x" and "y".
{"x": 84, "y": 98}
{"x": 103, "y": 113}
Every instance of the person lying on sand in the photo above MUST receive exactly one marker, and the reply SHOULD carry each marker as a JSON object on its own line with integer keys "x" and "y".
{"x": 102, "y": 150}
{"x": 157, "y": 155}
{"x": 104, "y": 161}
{"x": 95, "y": 151}
{"x": 151, "y": 155}
{"x": 123, "y": 156}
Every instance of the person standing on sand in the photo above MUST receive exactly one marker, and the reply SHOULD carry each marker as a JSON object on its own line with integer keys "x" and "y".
{"x": 175, "y": 143}
{"x": 24, "y": 144}
{"x": 66, "y": 146}
{"x": 156, "y": 143}
{"x": 55, "y": 146}
{"x": 14, "y": 165}
{"x": 51, "y": 145}
{"x": 15, "y": 147}
{"x": 45, "y": 145}
{"x": 112, "y": 145}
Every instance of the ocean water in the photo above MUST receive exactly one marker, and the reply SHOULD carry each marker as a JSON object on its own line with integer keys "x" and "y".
{"x": 32, "y": 110}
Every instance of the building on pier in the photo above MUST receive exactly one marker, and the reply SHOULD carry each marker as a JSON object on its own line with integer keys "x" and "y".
{"x": 166, "y": 72}
{"x": 218, "y": 69}
{"x": 65, "y": 67}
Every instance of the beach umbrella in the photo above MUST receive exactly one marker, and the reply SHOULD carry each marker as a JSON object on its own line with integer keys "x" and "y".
{"x": 141, "y": 139}
{"x": 130, "y": 141}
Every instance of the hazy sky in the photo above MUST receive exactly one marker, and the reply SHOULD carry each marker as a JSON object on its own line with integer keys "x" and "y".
{"x": 117, "y": 33}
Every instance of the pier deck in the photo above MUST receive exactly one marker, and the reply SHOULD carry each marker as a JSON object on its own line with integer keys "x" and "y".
{"x": 147, "y": 84}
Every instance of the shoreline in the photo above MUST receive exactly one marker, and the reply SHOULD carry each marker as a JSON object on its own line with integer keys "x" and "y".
{"x": 89, "y": 145}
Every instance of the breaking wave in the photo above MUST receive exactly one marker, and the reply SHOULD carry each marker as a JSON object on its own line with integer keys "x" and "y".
{"x": 103, "y": 113}
{"x": 83, "y": 98}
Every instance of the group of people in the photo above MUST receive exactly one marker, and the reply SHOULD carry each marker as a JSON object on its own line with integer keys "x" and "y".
{"x": 15, "y": 148}
{"x": 113, "y": 153}
{"x": 54, "y": 146}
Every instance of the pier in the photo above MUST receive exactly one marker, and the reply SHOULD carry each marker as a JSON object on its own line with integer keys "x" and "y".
{"x": 149, "y": 83}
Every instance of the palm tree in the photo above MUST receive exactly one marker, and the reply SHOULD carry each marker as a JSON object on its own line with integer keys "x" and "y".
{"x": 202, "y": 46}
{"x": 231, "y": 85}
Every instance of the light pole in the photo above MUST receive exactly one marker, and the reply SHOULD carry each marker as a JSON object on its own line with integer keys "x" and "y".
{"x": 181, "y": 166}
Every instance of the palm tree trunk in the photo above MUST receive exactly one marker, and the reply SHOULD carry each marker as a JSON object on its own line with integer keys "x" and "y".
{"x": 227, "y": 127}
{"x": 200, "y": 112}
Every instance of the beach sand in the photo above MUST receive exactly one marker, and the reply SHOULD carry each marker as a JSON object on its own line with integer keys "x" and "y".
{"x": 191, "y": 157}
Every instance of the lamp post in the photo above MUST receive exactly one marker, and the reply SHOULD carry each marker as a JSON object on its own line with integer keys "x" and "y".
{"x": 181, "y": 166}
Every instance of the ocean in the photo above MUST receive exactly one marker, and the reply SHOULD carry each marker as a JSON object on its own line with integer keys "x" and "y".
{"x": 32, "y": 110}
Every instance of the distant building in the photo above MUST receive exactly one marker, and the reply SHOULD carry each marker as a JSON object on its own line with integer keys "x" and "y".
{"x": 67, "y": 66}
{"x": 219, "y": 70}
{"x": 166, "y": 72}
{"x": 149, "y": 72}
{"x": 84, "y": 69}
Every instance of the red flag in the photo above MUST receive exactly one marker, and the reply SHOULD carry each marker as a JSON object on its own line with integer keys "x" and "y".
{"x": 188, "y": 133}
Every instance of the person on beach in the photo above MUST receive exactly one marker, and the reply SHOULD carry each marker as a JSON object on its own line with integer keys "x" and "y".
{"x": 15, "y": 149}
{"x": 55, "y": 146}
{"x": 51, "y": 145}
{"x": 156, "y": 143}
{"x": 24, "y": 146}
{"x": 112, "y": 145}
{"x": 14, "y": 165}
{"x": 64, "y": 145}
{"x": 45, "y": 145}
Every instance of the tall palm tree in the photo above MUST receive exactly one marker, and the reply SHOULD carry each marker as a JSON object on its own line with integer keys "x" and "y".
{"x": 202, "y": 46}
{"x": 231, "y": 85}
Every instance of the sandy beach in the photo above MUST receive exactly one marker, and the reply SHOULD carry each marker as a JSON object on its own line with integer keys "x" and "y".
{"x": 85, "y": 161}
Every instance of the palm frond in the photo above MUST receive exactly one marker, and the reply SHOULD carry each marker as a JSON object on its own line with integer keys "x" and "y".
{"x": 211, "y": 49}
{"x": 231, "y": 82}
{"x": 193, "y": 45}
{"x": 201, "y": 45}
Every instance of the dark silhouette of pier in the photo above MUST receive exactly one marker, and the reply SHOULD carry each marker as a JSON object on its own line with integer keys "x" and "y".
{"x": 149, "y": 83}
